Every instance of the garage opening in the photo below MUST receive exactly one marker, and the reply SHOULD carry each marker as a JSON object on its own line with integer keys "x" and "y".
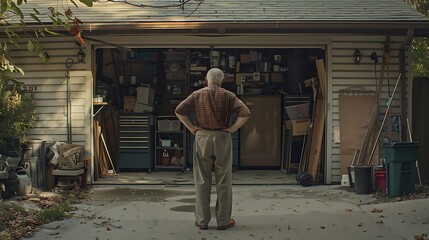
{"x": 137, "y": 90}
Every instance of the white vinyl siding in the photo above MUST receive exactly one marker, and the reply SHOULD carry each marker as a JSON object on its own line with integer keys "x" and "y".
{"x": 345, "y": 74}
{"x": 50, "y": 90}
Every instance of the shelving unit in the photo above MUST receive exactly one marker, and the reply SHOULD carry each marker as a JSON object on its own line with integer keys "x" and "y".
{"x": 136, "y": 141}
{"x": 171, "y": 144}
{"x": 140, "y": 67}
{"x": 176, "y": 73}
{"x": 199, "y": 64}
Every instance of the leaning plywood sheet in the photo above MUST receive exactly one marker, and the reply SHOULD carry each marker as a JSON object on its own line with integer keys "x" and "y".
{"x": 355, "y": 114}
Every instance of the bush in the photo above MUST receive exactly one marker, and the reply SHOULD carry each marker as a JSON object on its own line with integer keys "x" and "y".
{"x": 17, "y": 115}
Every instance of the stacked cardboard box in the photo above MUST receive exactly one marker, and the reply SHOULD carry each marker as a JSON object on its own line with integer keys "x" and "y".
{"x": 144, "y": 100}
{"x": 141, "y": 103}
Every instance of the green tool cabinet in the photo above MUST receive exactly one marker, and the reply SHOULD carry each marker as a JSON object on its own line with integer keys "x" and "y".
{"x": 136, "y": 133}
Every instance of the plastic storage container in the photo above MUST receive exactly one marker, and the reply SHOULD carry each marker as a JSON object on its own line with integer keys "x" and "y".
{"x": 380, "y": 180}
{"x": 363, "y": 179}
{"x": 401, "y": 167}
{"x": 25, "y": 184}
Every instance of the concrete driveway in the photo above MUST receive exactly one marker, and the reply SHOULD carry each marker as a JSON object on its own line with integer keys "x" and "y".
{"x": 261, "y": 212}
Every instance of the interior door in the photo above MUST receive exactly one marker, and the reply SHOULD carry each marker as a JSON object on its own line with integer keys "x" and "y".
{"x": 260, "y": 137}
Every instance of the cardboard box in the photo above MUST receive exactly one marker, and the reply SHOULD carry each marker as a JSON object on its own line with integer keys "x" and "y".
{"x": 276, "y": 78}
{"x": 245, "y": 58}
{"x": 141, "y": 108}
{"x": 129, "y": 104}
{"x": 145, "y": 95}
{"x": 298, "y": 126}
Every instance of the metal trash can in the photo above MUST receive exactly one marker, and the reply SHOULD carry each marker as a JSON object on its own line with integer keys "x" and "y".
{"x": 35, "y": 162}
{"x": 401, "y": 167}
{"x": 363, "y": 179}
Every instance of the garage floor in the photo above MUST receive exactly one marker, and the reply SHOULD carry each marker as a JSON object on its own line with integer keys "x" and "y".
{"x": 241, "y": 177}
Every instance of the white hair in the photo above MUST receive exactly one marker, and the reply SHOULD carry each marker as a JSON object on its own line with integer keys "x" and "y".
{"x": 215, "y": 75}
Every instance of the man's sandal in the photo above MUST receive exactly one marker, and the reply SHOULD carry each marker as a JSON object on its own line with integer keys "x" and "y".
{"x": 201, "y": 226}
{"x": 230, "y": 224}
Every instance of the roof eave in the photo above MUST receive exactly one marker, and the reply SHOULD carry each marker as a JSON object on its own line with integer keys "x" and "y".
{"x": 421, "y": 28}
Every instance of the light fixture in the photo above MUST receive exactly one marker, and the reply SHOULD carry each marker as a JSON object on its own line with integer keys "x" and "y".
{"x": 81, "y": 55}
{"x": 357, "y": 56}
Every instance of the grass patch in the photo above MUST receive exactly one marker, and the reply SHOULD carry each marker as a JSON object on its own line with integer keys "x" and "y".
{"x": 16, "y": 222}
{"x": 8, "y": 212}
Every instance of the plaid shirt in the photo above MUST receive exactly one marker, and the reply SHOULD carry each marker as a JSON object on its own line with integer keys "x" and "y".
{"x": 213, "y": 107}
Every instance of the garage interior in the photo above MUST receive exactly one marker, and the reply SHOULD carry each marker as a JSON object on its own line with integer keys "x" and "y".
{"x": 137, "y": 89}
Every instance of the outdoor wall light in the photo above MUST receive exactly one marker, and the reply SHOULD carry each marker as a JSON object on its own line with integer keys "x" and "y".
{"x": 357, "y": 56}
{"x": 81, "y": 55}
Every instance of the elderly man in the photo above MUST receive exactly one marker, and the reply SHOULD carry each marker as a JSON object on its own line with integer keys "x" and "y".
{"x": 214, "y": 108}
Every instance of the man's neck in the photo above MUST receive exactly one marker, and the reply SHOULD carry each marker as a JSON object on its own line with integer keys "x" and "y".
{"x": 213, "y": 85}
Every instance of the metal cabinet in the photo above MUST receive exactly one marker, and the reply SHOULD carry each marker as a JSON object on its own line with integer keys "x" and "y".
{"x": 136, "y": 141}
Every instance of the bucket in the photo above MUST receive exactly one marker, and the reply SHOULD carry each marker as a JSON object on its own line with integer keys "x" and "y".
{"x": 363, "y": 183}
{"x": 380, "y": 180}
{"x": 25, "y": 184}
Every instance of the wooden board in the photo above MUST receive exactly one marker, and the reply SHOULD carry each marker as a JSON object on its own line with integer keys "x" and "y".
{"x": 318, "y": 127}
{"x": 317, "y": 138}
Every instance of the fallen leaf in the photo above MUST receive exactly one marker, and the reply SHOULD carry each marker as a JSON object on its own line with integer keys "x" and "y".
{"x": 108, "y": 229}
{"x": 377, "y": 210}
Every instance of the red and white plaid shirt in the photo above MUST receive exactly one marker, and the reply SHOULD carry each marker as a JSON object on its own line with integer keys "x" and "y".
{"x": 214, "y": 107}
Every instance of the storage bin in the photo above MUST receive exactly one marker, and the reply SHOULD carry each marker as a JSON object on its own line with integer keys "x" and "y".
{"x": 169, "y": 125}
{"x": 401, "y": 167}
{"x": 299, "y": 111}
{"x": 165, "y": 142}
{"x": 175, "y": 125}
{"x": 401, "y": 151}
{"x": 25, "y": 184}
{"x": 380, "y": 180}
{"x": 363, "y": 183}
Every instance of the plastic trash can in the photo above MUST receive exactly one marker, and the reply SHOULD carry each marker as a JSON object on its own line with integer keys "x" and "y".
{"x": 380, "y": 180}
{"x": 363, "y": 179}
{"x": 401, "y": 167}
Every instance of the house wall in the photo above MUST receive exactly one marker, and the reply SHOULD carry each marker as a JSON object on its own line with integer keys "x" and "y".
{"x": 342, "y": 73}
{"x": 49, "y": 85}
{"x": 345, "y": 73}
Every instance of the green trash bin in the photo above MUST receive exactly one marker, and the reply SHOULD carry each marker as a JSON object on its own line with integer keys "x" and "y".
{"x": 401, "y": 167}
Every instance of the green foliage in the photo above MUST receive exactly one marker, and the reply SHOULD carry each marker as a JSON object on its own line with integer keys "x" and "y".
{"x": 17, "y": 112}
{"x": 420, "y": 45}
{"x": 420, "y": 57}
{"x": 14, "y": 27}
{"x": 8, "y": 213}
{"x": 54, "y": 213}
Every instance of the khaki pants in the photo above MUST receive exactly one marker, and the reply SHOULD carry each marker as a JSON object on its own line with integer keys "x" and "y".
{"x": 213, "y": 149}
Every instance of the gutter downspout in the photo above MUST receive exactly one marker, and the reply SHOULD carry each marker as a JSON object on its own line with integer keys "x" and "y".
{"x": 403, "y": 82}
